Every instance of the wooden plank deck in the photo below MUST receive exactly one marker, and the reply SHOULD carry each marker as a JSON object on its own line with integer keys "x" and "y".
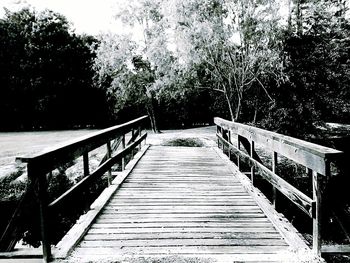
{"x": 183, "y": 201}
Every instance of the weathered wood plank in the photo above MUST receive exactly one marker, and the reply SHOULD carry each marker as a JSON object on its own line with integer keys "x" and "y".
{"x": 189, "y": 216}
{"x": 183, "y": 242}
{"x": 174, "y": 197}
{"x": 181, "y": 250}
{"x": 335, "y": 249}
{"x": 109, "y": 223}
{"x": 182, "y": 230}
{"x": 181, "y": 203}
{"x": 180, "y": 209}
{"x": 184, "y": 235}
{"x": 180, "y": 190}
{"x": 155, "y": 219}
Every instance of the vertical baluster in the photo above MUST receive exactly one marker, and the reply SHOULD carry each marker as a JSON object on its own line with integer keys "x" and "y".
{"x": 139, "y": 132}
{"x": 274, "y": 166}
{"x": 132, "y": 150}
{"x": 217, "y": 132}
{"x": 223, "y": 134}
{"x": 229, "y": 140}
{"x": 252, "y": 172}
{"x": 123, "y": 147}
{"x": 239, "y": 148}
{"x": 86, "y": 164}
{"x": 109, "y": 154}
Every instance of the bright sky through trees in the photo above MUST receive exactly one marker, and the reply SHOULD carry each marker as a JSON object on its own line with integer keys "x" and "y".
{"x": 86, "y": 16}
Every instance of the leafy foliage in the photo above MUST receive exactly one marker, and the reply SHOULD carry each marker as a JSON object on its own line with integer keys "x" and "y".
{"x": 44, "y": 70}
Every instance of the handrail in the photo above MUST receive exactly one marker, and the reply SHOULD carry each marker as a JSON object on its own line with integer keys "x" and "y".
{"x": 61, "y": 154}
{"x": 315, "y": 157}
{"x": 306, "y": 153}
{"x": 39, "y": 165}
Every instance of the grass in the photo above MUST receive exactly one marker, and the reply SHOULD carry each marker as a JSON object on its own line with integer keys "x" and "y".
{"x": 13, "y": 144}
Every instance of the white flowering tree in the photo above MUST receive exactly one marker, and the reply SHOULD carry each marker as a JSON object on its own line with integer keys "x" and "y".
{"x": 237, "y": 40}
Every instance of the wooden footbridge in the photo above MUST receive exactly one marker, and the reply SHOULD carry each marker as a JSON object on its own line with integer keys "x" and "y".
{"x": 177, "y": 202}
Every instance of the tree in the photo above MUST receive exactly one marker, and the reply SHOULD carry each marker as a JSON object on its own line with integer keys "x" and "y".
{"x": 45, "y": 69}
{"x": 238, "y": 41}
{"x": 316, "y": 61}
{"x": 125, "y": 75}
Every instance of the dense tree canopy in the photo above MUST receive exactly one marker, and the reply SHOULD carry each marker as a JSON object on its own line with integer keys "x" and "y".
{"x": 46, "y": 74}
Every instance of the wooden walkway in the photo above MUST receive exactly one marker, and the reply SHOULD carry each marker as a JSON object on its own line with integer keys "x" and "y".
{"x": 183, "y": 201}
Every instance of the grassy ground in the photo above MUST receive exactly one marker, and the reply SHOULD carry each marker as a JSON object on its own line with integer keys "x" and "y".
{"x": 13, "y": 144}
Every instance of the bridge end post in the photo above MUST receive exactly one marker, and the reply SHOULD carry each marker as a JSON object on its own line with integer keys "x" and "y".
{"x": 316, "y": 214}
{"x": 34, "y": 174}
{"x": 317, "y": 189}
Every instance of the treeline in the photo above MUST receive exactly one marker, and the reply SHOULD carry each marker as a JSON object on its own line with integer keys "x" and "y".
{"x": 281, "y": 65}
{"x": 46, "y": 76}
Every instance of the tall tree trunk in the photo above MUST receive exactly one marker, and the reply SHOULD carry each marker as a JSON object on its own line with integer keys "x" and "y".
{"x": 255, "y": 110}
{"x": 227, "y": 97}
{"x": 239, "y": 106}
{"x": 151, "y": 113}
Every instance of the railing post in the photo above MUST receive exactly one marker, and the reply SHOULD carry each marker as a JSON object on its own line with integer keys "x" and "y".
{"x": 316, "y": 213}
{"x": 123, "y": 147}
{"x": 132, "y": 150}
{"x": 109, "y": 154}
{"x": 239, "y": 148}
{"x": 317, "y": 183}
{"x": 220, "y": 132}
{"x": 41, "y": 193}
{"x": 86, "y": 164}
{"x": 252, "y": 148}
{"x": 274, "y": 166}
{"x": 139, "y": 132}
{"x": 229, "y": 140}
{"x": 223, "y": 134}
{"x": 217, "y": 132}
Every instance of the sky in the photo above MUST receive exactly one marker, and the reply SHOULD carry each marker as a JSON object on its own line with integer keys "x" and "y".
{"x": 87, "y": 16}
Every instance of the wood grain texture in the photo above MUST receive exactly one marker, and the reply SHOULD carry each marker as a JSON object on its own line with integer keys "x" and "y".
{"x": 181, "y": 201}
{"x": 293, "y": 194}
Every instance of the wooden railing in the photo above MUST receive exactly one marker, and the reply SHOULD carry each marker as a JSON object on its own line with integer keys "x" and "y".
{"x": 38, "y": 167}
{"x": 233, "y": 136}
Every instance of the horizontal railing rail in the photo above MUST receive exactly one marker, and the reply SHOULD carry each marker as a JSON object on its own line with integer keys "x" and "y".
{"x": 315, "y": 158}
{"x": 40, "y": 165}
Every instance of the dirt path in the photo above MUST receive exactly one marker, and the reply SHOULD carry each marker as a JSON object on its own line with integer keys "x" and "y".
{"x": 205, "y": 134}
